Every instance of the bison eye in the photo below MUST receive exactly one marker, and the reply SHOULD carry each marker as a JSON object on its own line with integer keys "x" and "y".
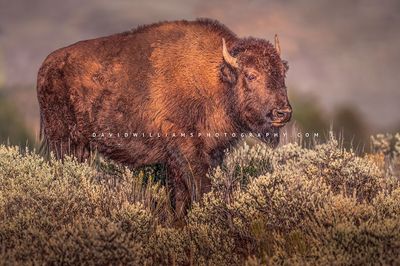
{"x": 250, "y": 76}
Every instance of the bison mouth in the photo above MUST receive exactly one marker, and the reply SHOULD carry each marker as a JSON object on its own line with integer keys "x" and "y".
{"x": 278, "y": 124}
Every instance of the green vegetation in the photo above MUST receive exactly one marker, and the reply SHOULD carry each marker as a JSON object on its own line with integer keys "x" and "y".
{"x": 308, "y": 114}
{"x": 346, "y": 121}
{"x": 12, "y": 127}
{"x": 292, "y": 205}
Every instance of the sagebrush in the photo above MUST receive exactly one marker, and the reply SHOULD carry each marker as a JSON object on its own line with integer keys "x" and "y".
{"x": 292, "y": 205}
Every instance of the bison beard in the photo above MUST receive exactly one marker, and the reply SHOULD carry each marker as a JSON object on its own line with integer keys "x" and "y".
{"x": 167, "y": 77}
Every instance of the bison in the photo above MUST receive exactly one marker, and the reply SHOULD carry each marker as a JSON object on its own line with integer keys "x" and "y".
{"x": 167, "y": 78}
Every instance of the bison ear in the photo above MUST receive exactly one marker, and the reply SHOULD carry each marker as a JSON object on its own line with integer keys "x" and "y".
{"x": 228, "y": 74}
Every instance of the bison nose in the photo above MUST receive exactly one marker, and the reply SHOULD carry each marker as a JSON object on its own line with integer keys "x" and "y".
{"x": 282, "y": 115}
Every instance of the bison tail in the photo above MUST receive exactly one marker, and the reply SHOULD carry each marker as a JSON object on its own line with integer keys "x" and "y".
{"x": 41, "y": 82}
{"x": 41, "y": 129}
{"x": 43, "y": 147}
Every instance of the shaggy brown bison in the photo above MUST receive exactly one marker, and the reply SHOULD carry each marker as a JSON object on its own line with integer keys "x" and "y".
{"x": 132, "y": 95}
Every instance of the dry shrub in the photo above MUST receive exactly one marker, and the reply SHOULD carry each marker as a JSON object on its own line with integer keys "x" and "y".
{"x": 291, "y": 205}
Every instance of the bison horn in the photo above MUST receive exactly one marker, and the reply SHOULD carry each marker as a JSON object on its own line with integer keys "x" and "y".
{"x": 227, "y": 57}
{"x": 277, "y": 45}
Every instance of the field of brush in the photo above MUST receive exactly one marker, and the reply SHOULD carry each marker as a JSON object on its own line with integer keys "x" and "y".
{"x": 292, "y": 205}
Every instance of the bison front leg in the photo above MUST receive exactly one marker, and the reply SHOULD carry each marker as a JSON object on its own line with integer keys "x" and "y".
{"x": 186, "y": 177}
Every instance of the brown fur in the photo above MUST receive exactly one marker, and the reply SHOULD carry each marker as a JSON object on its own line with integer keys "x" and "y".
{"x": 168, "y": 77}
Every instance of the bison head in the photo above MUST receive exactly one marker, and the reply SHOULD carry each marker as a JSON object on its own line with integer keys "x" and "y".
{"x": 255, "y": 73}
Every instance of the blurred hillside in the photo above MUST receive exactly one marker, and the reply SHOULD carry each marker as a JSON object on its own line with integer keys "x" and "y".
{"x": 345, "y": 120}
{"x": 14, "y": 128}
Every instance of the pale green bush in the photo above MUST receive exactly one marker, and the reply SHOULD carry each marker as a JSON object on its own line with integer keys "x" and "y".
{"x": 319, "y": 206}
{"x": 292, "y": 205}
{"x": 389, "y": 146}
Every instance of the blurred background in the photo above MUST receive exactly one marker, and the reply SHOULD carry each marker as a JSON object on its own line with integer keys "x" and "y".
{"x": 344, "y": 56}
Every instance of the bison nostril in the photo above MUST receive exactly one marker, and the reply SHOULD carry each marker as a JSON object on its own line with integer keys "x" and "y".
{"x": 278, "y": 113}
{"x": 281, "y": 114}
